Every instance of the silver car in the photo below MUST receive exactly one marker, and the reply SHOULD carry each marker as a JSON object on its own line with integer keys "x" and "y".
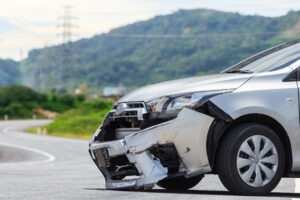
{"x": 242, "y": 124}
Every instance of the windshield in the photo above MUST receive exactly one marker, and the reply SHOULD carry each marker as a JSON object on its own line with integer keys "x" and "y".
{"x": 270, "y": 60}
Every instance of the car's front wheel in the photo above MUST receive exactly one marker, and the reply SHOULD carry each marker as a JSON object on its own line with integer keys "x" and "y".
{"x": 250, "y": 160}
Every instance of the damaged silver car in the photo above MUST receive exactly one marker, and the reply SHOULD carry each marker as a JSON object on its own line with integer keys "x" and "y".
{"x": 242, "y": 124}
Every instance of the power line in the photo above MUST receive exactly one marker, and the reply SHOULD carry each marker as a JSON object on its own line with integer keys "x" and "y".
{"x": 196, "y": 36}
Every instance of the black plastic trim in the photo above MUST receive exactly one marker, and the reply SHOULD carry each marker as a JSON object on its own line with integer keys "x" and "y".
{"x": 216, "y": 131}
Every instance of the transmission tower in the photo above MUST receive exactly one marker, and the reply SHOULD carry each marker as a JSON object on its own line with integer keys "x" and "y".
{"x": 67, "y": 24}
{"x": 66, "y": 27}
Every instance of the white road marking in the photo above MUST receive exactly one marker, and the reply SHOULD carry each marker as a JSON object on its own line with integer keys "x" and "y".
{"x": 5, "y": 130}
{"x": 51, "y": 157}
{"x": 297, "y": 185}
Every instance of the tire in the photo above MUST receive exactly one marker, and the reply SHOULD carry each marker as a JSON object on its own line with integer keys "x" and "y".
{"x": 180, "y": 183}
{"x": 254, "y": 171}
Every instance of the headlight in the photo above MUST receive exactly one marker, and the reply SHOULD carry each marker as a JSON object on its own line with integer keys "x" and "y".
{"x": 173, "y": 104}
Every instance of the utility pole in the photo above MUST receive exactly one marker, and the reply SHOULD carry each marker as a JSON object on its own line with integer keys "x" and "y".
{"x": 66, "y": 27}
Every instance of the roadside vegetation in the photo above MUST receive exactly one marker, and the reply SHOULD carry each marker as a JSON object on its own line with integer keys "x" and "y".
{"x": 20, "y": 102}
{"x": 73, "y": 116}
{"x": 80, "y": 122}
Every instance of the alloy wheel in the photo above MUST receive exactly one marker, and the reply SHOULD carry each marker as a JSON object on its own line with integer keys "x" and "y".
{"x": 257, "y": 161}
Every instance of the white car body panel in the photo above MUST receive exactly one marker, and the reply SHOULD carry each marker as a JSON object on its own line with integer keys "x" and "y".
{"x": 267, "y": 94}
{"x": 188, "y": 132}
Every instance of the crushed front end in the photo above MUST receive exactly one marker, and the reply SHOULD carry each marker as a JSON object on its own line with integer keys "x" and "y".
{"x": 136, "y": 146}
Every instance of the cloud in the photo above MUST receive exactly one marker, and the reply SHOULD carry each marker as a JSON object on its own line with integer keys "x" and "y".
{"x": 7, "y": 26}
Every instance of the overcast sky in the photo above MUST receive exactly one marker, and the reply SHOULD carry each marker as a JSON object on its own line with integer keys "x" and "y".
{"x": 33, "y": 23}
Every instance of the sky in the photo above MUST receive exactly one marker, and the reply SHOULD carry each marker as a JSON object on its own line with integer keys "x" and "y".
{"x": 29, "y": 24}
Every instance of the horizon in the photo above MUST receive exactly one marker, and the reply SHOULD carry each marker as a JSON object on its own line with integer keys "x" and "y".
{"x": 21, "y": 34}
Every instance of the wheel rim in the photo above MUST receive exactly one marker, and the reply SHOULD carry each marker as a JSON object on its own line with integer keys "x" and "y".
{"x": 257, "y": 161}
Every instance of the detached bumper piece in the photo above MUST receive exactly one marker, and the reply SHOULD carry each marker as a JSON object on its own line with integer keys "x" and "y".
{"x": 140, "y": 160}
{"x": 146, "y": 169}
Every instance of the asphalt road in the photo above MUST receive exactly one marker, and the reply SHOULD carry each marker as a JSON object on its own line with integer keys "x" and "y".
{"x": 44, "y": 167}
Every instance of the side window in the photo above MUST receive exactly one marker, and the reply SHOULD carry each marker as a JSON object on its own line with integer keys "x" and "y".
{"x": 293, "y": 76}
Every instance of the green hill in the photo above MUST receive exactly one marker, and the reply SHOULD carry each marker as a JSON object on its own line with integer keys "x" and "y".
{"x": 9, "y": 72}
{"x": 182, "y": 44}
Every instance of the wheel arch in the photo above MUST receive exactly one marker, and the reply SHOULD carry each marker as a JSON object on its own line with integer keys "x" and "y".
{"x": 220, "y": 129}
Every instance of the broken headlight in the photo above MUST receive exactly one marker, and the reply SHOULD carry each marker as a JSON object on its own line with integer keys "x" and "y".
{"x": 173, "y": 104}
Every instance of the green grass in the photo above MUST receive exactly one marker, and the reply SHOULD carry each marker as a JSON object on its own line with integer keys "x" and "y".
{"x": 80, "y": 122}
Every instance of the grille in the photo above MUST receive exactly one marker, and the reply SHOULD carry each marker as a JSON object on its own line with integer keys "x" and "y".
{"x": 124, "y": 114}
{"x": 135, "y": 105}
{"x": 102, "y": 157}
{"x": 128, "y": 110}
{"x": 132, "y": 105}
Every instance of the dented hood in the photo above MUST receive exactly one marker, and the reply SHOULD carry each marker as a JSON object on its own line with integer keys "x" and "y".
{"x": 186, "y": 85}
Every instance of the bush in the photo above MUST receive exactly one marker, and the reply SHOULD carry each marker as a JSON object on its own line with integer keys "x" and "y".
{"x": 19, "y": 101}
{"x": 55, "y": 106}
{"x": 67, "y": 100}
{"x": 16, "y": 110}
{"x": 79, "y": 122}
{"x": 31, "y": 105}
{"x": 18, "y": 94}
{"x": 80, "y": 98}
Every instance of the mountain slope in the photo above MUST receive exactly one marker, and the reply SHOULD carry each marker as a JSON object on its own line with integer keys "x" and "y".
{"x": 9, "y": 72}
{"x": 182, "y": 44}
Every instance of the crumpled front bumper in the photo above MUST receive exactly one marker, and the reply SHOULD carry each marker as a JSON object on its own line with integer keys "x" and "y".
{"x": 188, "y": 133}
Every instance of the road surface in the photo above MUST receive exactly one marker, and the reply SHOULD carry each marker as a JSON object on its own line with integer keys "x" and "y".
{"x": 43, "y": 167}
